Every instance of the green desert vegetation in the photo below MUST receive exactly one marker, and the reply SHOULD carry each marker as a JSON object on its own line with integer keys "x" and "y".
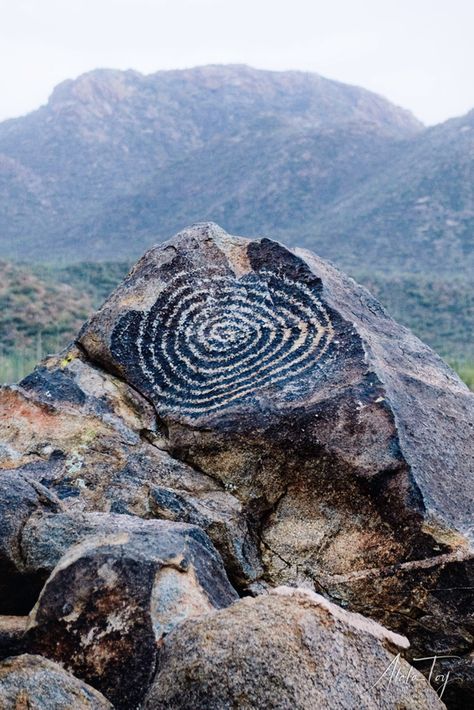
{"x": 465, "y": 371}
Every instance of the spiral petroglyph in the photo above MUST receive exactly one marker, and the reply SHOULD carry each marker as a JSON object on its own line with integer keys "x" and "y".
{"x": 211, "y": 339}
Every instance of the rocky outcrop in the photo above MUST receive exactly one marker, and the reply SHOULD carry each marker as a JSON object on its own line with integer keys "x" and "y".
{"x": 46, "y": 538}
{"x": 260, "y": 395}
{"x": 273, "y": 651}
{"x": 38, "y": 684}
{"x": 111, "y": 599}
{"x": 347, "y": 441}
{"x": 94, "y": 442}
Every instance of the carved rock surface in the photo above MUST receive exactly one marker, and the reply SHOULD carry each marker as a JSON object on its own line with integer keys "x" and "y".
{"x": 36, "y": 683}
{"x": 343, "y": 436}
{"x": 110, "y": 600}
{"x": 288, "y": 649}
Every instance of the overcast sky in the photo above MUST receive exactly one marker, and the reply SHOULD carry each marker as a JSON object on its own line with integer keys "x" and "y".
{"x": 417, "y": 53}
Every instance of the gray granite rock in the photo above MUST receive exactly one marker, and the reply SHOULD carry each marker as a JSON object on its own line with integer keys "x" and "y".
{"x": 31, "y": 682}
{"x": 289, "y": 649}
{"x": 46, "y": 538}
{"x": 20, "y": 497}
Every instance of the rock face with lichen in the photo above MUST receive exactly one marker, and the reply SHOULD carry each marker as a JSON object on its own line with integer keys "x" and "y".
{"x": 257, "y": 394}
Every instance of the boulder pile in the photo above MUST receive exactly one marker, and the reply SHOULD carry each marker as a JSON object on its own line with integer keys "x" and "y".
{"x": 223, "y": 494}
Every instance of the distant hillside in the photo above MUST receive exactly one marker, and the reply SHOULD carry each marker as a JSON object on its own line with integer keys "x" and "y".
{"x": 37, "y": 316}
{"x": 439, "y": 311}
{"x": 415, "y": 213}
{"x": 117, "y": 160}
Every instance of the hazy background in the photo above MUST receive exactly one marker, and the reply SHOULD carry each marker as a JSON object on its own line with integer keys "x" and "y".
{"x": 417, "y": 53}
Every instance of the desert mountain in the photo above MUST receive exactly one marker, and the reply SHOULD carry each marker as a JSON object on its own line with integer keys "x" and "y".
{"x": 117, "y": 160}
{"x": 417, "y": 212}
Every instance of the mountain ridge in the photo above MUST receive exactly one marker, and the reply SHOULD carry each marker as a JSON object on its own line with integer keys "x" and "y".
{"x": 117, "y": 160}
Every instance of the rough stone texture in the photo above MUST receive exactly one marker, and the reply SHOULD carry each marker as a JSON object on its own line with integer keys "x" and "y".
{"x": 291, "y": 649}
{"x": 34, "y": 683}
{"x": 111, "y": 599}
{"x": 262, "y": 395}
{"x": 12, "y": 629}
{"x": 343, "y": 436}
{"x": 45, "y": 538}
{"x": 94, "y": 442}
{"x": 458, "y": 692}
{"x": 20, "y": 497}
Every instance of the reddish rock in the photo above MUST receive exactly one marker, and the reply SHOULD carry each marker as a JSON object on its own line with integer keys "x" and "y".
{"x": 94, "y": 443}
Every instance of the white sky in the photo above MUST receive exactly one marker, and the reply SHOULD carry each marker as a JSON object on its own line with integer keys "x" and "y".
{"x": 417, "y": 53}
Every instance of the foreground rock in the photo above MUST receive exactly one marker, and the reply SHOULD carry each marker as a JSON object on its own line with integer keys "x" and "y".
{"x": 111, "y": 599}
{"x": 38, "y": 684}
{"x": 94, "y": 443}
{"x": 46, "y": 538}
{"x": 290, "y": 649}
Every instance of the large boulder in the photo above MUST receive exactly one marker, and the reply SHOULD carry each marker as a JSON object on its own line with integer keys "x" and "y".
{"x": 289, "y": 649}
{"x": 30, "y": 682}
{"x": 347, "y": 441}
{"x": 111, "y": 599}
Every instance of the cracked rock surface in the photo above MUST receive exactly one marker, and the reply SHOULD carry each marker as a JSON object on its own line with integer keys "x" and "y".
{"x": 260, "y": 395}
